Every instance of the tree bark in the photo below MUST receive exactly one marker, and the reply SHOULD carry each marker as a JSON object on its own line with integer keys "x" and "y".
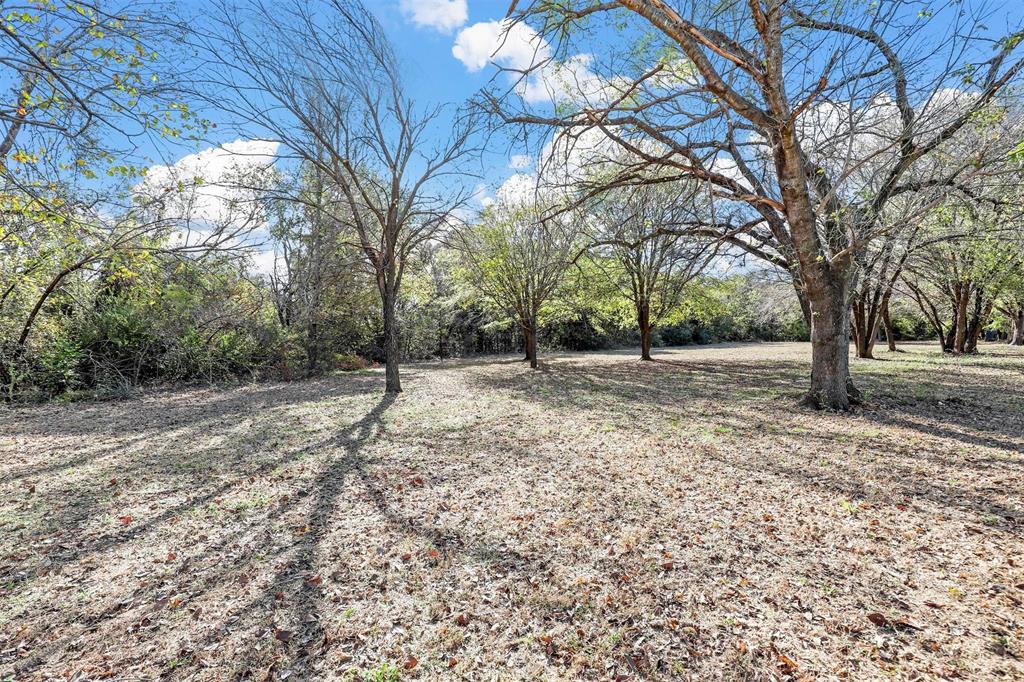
{"x": 529, "y": 349}
{"x": 864, "y": 328}
{"x": 890, "y": 338}
{"x": 392, "y": 381}
{"x": 960, "y": 339}
{"x": 805, "y": 306}
{"x": 1017, "y": 335}
{"x": 643, "y": 315}
{"x": 531, "y": 341}
{"x": 50, "y": 288}
{"x": 831, "y": 386}
{"x": 826, "y": 284}
{"x": 979, "y": 318}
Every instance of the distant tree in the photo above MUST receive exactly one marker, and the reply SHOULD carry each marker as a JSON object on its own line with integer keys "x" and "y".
{"x": 320, "y": 286}
{"x": 321, "y": 79}
{"x": 1011, "y": 304}
{"x": 517, "y": 255}
{"x": 643, "y": 230}
{"x": 960, "y": 273}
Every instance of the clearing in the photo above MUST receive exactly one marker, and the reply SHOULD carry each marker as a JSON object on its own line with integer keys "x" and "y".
{"x": 599, "y": 518}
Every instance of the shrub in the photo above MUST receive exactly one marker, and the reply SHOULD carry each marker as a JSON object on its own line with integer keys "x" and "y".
{"x": 347, "y": 362}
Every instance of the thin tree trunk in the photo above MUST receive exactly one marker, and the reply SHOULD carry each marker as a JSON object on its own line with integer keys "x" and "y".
{"x": 392, "y": 381}
{"x": 644, "y": 321}
{"x": 890, "y": 338}
{"x": 863, "y": 331}
{"x": 979, "y": 319}
{"x": 529, "y": 349}
{"x": 805, "y": 306}
{"x": 1017, "y": 337}
{"x": 960, "y": 339}
{"x": 51, "y": 287}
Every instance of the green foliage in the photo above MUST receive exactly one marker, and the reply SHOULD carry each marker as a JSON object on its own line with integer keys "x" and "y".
{"x": 743, "y": 308}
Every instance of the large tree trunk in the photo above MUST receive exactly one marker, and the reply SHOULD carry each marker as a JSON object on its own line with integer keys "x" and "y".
{"x": 825, "y": 284}
{"x": 643, "y": 315}
{"x": 529, "y": 348}
{"x": 1017, "y": 336}
{"x": 392, "y": 382}
{"x": 890, "y": 337}
{"x": 831, "y": 386}
{"x": 531, "y": 341}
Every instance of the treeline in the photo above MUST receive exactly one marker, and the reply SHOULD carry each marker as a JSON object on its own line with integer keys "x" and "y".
{"x": 150, "y": 319}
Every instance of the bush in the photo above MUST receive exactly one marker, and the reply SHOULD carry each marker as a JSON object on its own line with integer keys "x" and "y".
{"x": 347, "y": 362}
{"x": 676, "y": 335}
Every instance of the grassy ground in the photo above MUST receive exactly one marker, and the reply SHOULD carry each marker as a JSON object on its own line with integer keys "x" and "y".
{"x": 599, "y": 518}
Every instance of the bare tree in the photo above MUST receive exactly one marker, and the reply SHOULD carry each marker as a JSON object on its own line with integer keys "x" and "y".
{"x": 770, "y": 102}
{"x": 321, "y": 79}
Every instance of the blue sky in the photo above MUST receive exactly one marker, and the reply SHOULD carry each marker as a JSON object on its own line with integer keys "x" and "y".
{"x": 427, "y": 36}
{"x": 432, "y": 72}
{"x": 447, "y": 49}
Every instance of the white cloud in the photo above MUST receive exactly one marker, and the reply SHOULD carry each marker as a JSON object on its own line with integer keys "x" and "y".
{"x": 727, "y": 166}
{"x": 517, "y": 47}
{"x": 520, "y": 161}
{"x": 201, "y": 194}
{"x": 512, "y": 45}
{"x": 264, "y": 262}
{"x": 211, "y": 171}
{"x": 517, "y": 190}
{"x": 441, "y": 15}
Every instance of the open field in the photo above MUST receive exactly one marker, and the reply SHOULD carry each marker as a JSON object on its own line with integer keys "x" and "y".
{"x": 600, "y": 518}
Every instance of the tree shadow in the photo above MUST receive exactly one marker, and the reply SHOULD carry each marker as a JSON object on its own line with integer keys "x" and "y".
{"x": 325, "y": 488}
{"x": 736, "y": 398}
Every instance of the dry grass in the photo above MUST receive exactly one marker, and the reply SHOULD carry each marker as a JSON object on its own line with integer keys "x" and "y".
{"x": 600, "y": 518}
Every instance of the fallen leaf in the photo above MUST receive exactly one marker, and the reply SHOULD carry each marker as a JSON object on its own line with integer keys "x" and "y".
{"x": 462, "y": 620}
{"x": 878, "y": 619}
{"x": 314, "y": 581}
{"x": 411, "y": 663}
{"x": 786, "y": 663}
{"x": 282, "y": 635}
{"x": 125, "y": 520}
